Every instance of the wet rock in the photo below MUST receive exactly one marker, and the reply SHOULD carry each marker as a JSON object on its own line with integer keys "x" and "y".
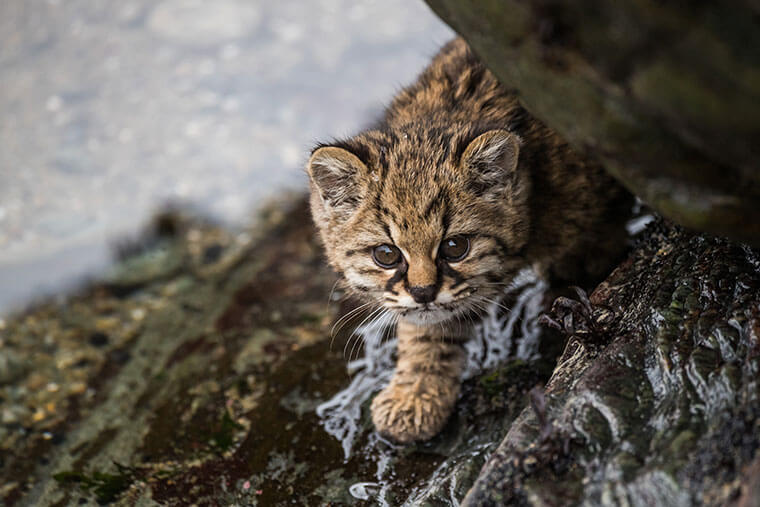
{"x": 178, "y": 379}
{"x": 662, "y": 406}
{"x": 210, "y": 386}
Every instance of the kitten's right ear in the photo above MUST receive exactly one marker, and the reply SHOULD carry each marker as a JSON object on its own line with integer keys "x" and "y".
{"x": 491, "y": 159}
{"x": 336, "y": 175}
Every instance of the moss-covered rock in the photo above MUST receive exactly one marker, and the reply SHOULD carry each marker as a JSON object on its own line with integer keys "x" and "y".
{"x": 659, "y": 405}
{"x": 200, "y": 383}
{"x": 188, "y": 376}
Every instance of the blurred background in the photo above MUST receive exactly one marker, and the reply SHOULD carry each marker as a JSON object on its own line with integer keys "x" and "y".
{"x": 111, "y": 110}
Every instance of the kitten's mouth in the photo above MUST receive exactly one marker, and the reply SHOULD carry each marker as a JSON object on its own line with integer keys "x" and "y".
{"x": 436, "y": 313}
{"x": 428, "y": 315}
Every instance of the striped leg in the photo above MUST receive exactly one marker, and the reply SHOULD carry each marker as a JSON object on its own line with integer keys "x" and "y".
{"x": 424, "y": 388}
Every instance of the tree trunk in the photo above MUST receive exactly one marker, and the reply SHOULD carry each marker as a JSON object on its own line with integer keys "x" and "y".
{"x": 666, "y": 95}
{"x": 655, "y": 399}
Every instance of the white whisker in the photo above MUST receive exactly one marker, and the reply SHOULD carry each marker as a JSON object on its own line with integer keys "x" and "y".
{"x": 494, "y": 302}
{"x": 354, "y": 333}
{"x": 348, "y": 316}
{"x": 329, "y": 298}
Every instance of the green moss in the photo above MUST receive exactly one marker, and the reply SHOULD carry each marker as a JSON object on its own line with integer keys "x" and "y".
{"x": 495, "y": 381}
{"x": 106, "y": 487}
{"x": 224, "y": 436}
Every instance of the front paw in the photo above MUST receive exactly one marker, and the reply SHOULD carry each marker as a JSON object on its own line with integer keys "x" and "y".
{"x": 418, "y": 410}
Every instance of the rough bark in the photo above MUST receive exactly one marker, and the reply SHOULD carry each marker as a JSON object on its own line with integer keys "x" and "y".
{"x": 655, "y": 400}
{"x": 666, "y": 95}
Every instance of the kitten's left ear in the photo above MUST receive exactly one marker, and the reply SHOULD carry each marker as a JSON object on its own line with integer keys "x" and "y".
{"x": 336, "y": 175}
{"x": 491, "y": 160}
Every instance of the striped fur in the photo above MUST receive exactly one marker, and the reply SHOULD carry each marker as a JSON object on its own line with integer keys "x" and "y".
{"x": 456, "y": 155}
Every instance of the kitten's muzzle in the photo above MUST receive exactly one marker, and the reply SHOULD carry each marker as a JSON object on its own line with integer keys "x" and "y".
{"x": 423, "y": 294}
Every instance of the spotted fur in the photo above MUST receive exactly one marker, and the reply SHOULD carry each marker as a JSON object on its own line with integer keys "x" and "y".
{"x": 456, "y": 155}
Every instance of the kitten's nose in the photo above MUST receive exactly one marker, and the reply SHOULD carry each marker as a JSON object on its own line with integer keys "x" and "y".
{"x": 424, "y": 294}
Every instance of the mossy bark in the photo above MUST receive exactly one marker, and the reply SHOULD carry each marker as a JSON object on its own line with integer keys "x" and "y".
{"x": 656, "y": 402}
{"x": 666, "y": 95}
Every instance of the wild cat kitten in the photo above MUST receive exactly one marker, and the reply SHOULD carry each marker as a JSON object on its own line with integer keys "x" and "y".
{"x": 432, "y": 212}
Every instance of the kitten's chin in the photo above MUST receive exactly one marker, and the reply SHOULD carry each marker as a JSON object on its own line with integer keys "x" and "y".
{"x": 428, "y": 317}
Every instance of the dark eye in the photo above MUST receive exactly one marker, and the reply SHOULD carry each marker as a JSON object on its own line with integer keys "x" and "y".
{"x": 455, "y": 248}
{"x": 386, "y": 256}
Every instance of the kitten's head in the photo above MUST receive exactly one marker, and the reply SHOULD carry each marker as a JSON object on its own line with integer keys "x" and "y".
{"x": 428, "y": 222}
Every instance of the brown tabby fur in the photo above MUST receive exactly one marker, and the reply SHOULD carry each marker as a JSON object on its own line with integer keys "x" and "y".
{"x": 456, "y": 155}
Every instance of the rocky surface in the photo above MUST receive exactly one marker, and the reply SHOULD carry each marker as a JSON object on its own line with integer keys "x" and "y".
{"x": 655, "y": 400}
{"x": 195, "y": 373}
{"x": 192, "y": 373}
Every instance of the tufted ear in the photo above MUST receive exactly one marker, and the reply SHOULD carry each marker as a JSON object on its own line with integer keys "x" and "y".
{"x": 336, "y": 175}
{"x": 491, "y": 161}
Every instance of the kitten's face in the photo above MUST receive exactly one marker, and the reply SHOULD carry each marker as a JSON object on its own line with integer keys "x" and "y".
{"x": 429, "y": 227}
